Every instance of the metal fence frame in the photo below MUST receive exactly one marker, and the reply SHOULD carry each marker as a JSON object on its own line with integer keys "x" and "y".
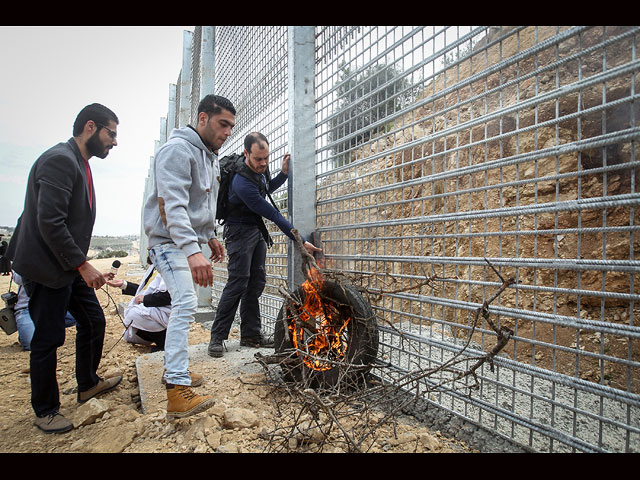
{"x": 446, "y": 153}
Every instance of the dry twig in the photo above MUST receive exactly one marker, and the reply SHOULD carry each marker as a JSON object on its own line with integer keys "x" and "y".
{"x": 347, "y": 416}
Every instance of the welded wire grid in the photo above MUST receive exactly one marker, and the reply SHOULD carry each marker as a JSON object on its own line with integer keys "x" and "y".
{"x": 251, "y": 71}
{"x": 445, "y": 151}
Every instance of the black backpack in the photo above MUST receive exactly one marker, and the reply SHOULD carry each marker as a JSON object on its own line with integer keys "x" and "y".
{"x": 229, "y": 166}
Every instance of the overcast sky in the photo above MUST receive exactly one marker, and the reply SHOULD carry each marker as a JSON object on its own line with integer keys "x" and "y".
{"x": 50, "y": 73}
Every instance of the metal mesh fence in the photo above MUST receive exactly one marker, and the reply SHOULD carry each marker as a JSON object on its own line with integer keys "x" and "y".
{"x": 440, "y": 148}
{"x": 251, "y": 70}
{"x": 468, "y": 156}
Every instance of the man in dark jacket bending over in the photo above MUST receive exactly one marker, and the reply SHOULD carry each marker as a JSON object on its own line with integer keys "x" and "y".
{"x": 246, "y": 241}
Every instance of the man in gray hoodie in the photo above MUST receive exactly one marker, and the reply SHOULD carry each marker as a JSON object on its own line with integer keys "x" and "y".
{"x": 179, "y": 215}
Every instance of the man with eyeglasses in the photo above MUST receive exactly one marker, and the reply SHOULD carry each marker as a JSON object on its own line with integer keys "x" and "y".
{"x": 49, "y": 249}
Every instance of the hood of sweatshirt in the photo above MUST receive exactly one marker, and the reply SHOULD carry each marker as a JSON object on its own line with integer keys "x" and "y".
{"x": 190, "y": 135}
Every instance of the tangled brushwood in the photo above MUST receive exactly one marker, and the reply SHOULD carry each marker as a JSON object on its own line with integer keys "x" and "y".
{"x": 330, "y": 390}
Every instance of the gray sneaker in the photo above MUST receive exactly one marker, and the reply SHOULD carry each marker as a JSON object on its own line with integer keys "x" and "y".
{"x": 102, "y": 386}
{"x": 215, "y": 348}
{"x": 53, "y": 423}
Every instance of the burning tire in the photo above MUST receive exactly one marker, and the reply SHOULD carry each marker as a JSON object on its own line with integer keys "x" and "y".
{"x": 331, "y": 332}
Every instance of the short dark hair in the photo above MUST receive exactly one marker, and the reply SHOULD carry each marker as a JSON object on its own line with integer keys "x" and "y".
{"x": 254, "y": 137}
{"x": 214, "y": 104}
{"x": 100, "y": 114}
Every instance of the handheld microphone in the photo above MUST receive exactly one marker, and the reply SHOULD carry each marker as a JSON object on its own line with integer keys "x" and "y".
{"x": 114, "y": 266}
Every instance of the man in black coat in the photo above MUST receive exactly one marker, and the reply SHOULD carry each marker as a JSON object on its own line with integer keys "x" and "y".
{"x": 5, "y": 264}
{"x": 48, "y": 249}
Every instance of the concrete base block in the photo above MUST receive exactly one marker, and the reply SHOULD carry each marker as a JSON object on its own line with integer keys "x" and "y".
{"x": 235, "y": 362}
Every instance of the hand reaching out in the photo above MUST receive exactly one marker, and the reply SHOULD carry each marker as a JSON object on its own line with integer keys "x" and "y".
{"x": 115, "y": 283}
{"x": 311, "y": 248}
{"x": 92, "y": 276}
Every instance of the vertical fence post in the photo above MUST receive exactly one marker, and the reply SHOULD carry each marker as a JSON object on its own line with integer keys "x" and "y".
{"x": 171, "y": 112}
{"x": 184, "y": 112}
{"x": 205, "y": 87}
{"x": 301, "y": 184}
{"x": 207, "y": 61}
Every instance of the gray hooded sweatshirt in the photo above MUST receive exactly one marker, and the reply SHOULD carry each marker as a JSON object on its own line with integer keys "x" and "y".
{"x": 181, "y": 207}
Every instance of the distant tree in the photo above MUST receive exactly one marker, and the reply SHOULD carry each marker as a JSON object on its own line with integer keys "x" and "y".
{"x": 461, "y": 52}
{"x": 365, "y": 97}
{"x": 112, "y": 253}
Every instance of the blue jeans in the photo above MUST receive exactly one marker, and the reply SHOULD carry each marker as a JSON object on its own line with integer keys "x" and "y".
{"x": 172, "y": 264}
{"x": 26, "y": 326}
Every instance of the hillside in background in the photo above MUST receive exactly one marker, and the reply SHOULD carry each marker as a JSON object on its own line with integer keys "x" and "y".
{"x": 100, "y": 247}
{"x": 108, "y": 246}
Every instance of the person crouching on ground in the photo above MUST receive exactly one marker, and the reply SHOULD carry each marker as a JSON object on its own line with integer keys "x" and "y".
{"x": 147, "y": 315}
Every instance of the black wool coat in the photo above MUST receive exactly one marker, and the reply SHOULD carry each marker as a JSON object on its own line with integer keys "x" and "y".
{"x": 53, "y": 233}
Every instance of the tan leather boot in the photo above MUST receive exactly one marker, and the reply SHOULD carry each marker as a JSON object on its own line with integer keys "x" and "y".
{"x": 182, "y": 401}
{"x": 196, "y": 379}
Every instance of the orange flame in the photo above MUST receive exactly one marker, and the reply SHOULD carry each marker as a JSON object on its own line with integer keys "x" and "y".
{"x": 322, "y": 327}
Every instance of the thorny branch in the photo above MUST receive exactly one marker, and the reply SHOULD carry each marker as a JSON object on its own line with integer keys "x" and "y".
{"x": 349, "y": 415}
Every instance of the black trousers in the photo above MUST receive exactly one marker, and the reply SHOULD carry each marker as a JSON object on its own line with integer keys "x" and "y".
{"x": 156, "y": 337}
{"x": 48, "y": 307}
{"x": 247, "y": 252}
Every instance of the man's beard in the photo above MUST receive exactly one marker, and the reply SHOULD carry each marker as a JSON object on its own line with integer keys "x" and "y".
{"x": 95, "y": 148}
{"x": 256, "y": 167}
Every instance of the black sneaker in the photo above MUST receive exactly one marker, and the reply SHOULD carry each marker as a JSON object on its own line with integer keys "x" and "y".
{"x": 215, "y": 348}
{"x": 256, "y": 342}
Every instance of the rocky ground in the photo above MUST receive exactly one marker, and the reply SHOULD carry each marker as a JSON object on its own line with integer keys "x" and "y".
{"x": 246, "y": 413}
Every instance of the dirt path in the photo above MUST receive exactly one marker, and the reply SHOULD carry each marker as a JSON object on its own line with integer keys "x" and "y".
{"x": 244, "y": 414}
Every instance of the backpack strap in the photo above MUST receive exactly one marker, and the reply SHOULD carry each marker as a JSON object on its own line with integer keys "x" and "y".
{"x": 246, "y": 172}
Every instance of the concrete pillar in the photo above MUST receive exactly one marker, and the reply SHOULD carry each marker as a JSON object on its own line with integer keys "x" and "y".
{"x": 184, "y": 115}
{"x": 207, "y": 61}
{"x": 163, "y": 129}
{"x": 206, "y": 81}
{"x": 204, "y": 294}
{"x": 171, "y": 113}
{"x": 302, "y": 178}
{"x": 148, "y": 185}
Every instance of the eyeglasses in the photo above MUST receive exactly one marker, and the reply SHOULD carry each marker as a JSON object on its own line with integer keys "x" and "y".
{"x": 111, "y": 133}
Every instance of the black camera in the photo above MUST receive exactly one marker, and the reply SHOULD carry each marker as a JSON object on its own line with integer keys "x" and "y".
{"x": 10, "y": 299}
{"x": 7, "y": 316}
